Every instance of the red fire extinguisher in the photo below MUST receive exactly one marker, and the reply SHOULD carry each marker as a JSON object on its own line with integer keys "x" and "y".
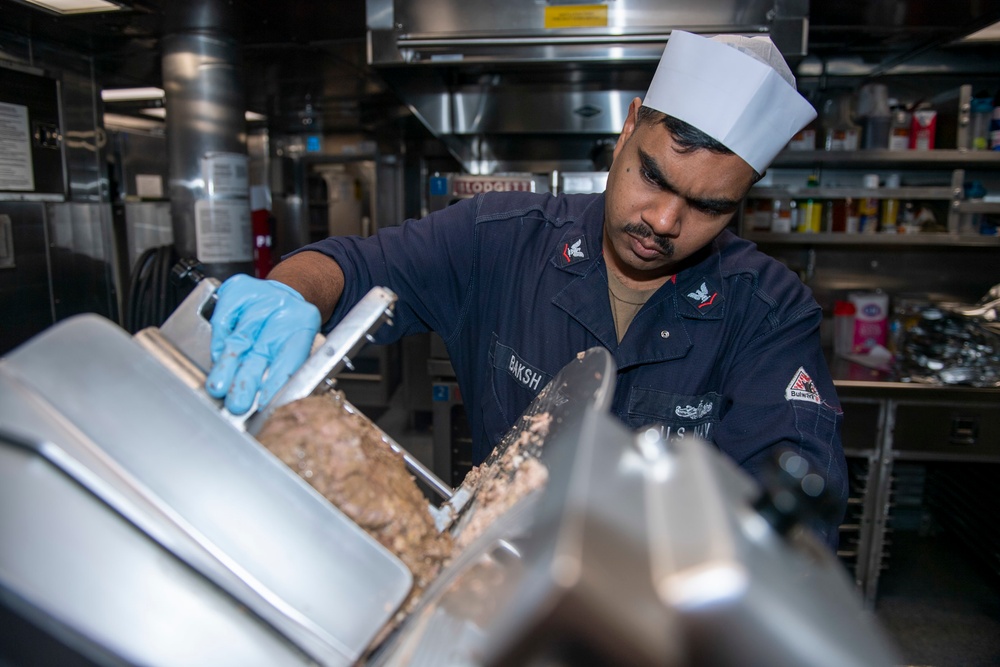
{"x": 263, "y": 261}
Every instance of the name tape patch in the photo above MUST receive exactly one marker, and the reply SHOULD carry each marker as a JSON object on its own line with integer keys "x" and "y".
{"x": 523, "y": 373}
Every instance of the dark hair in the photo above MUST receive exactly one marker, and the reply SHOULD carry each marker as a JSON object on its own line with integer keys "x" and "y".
{"x": 686, "y": 136}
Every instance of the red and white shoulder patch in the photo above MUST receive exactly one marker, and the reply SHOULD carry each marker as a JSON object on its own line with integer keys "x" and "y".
{"x": 802, "y": 388}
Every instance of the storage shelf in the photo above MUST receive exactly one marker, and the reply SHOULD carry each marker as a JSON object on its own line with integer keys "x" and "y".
{"x": 935, "y": 159}
{"x": 802, "y": 192}
{"x": 979, "y": 206}
{"x": 844, "y": 239}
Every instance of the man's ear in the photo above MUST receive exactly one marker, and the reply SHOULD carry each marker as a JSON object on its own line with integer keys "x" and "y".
{"x": 629, "y": 127}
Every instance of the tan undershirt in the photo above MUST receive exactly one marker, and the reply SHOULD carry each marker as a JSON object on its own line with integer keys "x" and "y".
{"x": 625, "y": 303}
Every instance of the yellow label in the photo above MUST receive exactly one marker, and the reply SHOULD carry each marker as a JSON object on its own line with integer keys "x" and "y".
{"x": 576, "y": 16}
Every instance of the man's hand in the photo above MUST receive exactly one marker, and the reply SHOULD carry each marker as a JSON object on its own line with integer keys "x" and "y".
{"x": 258, "y": 326}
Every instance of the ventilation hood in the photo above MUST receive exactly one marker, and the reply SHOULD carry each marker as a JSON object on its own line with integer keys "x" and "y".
{"x": 550, "y": 89}
{"x": 538, "y": 85}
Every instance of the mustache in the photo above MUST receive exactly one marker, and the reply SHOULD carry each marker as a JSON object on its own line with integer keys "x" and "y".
{"x": 643, "y": 231}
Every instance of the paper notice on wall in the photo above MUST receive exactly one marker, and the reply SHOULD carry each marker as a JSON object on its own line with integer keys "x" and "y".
{"x": 16, "y": 173}
{"x": 223, "y": 230}
{"x": 149, "y": 186}
{"x": 225, "y": 174}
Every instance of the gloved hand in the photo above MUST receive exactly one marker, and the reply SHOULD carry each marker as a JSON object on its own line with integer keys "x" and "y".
{"x": 257, "y": 326}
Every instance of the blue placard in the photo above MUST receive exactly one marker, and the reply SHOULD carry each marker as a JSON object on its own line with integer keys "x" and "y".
{"x": 441, "y": 392}
{"x": 314, "y": 143}
{"x": 439, "y": 185}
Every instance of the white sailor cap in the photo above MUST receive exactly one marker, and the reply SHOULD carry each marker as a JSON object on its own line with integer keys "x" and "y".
{"x": 738, "y": 90}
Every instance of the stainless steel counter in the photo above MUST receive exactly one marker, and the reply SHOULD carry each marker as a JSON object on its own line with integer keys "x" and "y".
{"x": 887, "y": 422}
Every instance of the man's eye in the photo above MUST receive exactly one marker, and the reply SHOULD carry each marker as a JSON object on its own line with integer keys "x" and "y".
{"x": 710, "y": 211}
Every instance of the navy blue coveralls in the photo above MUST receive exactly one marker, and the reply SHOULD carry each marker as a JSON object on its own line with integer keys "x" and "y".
{"x": 516, "y": 285}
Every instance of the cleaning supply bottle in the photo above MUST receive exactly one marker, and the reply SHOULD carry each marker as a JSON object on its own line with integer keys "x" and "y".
{"x": 868, "y": 207}
{"x": 899, "y": 128}
{"x": 873, "y": 109}
{"x": 841, "y": 134}
{"x": 890, "y": 206}
{"x": 995, "y": 124}
{"x": 980, "y": 116}
{"x": 811, "y": 209}
{"x": 843, "y": 327}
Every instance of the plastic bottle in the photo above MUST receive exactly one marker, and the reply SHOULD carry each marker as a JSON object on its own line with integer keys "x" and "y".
{"x": 838, "y": 209}
{"x": 890, "y": 206}
{"x": 805, "y": 139}
{"x": 757, "y": 214}
{"x": 995, "y": 124}
{"x": 868, "y": 207}
{"x": 840, "y": 133}
{"x": 851, "y": 222}
{"x": 971, "y": 223}
{"x": 843, "y": 327}
{"x": 923, "y": 128}
{"x": 873, "y": 109}
{"x": 899, "y": 128}
{"x": 980, "y": 115}
{"x": 782, "y": 216}
{"x": 810, "y": 209}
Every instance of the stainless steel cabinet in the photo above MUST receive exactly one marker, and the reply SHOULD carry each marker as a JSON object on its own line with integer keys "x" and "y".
{"x": 916, "y": 447}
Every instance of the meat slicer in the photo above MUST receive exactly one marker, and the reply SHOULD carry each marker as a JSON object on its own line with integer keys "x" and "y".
{"x": 140, "y": 523}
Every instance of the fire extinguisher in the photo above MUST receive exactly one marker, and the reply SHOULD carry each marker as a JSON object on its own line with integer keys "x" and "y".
{"x": 262, "y": 225}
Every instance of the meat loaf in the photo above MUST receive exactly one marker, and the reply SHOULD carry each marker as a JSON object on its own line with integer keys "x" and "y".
{"x": 342, "y": 455}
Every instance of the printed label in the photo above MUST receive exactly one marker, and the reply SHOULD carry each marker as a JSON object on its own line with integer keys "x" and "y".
{"x": 223, "y": 230}
{"x": 576, "y": 16}
{"x": 16, "y": 172}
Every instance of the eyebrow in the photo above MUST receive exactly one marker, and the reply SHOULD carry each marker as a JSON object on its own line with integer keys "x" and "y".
{"x": 722, "y": 205}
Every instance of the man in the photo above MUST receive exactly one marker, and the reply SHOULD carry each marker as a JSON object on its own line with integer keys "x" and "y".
{"x": 710, "y": 336}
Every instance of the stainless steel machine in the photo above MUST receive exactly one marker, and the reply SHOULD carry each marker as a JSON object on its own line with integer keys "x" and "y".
{"x": 142, "y": 524}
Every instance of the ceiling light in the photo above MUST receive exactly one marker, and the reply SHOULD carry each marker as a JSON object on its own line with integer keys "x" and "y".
{"x": 161, "y": 112}
{"x": 132, "y": 94}
{"x": 118, "y": 121}
{"x": 76, "y": 6}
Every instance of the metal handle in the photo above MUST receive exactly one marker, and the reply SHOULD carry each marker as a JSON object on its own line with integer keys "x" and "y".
{"x": 658, "y": 38}
{"x": 342, "y": 343}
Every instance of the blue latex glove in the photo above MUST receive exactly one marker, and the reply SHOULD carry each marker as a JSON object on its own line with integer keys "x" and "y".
{"x": 257, "y": 326}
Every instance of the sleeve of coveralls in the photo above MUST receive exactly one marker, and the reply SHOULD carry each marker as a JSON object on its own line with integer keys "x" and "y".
{"x": 428, "y": 263}
{"x": 783, "y": 398}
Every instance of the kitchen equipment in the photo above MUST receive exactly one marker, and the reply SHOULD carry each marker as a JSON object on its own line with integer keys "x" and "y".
{"x": 140, "y": 524}
{"x": 176, "y": 516}
{"x": 528, "y": 86}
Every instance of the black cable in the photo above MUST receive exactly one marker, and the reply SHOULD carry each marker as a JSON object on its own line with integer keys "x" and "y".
{"x": 151, "y": 296}
{"x": 166, "y": 300}
{"x": 153, "y": 308}
{"x": 135, "y": 288}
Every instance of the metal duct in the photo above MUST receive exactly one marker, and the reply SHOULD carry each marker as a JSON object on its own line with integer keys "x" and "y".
{"x": 206, "y": 137}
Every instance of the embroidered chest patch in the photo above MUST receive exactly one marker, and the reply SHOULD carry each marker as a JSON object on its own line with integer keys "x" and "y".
{"x": 802, "y": 388}
{"x": 573, "y": 251}
{"x": 704, "y": 297}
